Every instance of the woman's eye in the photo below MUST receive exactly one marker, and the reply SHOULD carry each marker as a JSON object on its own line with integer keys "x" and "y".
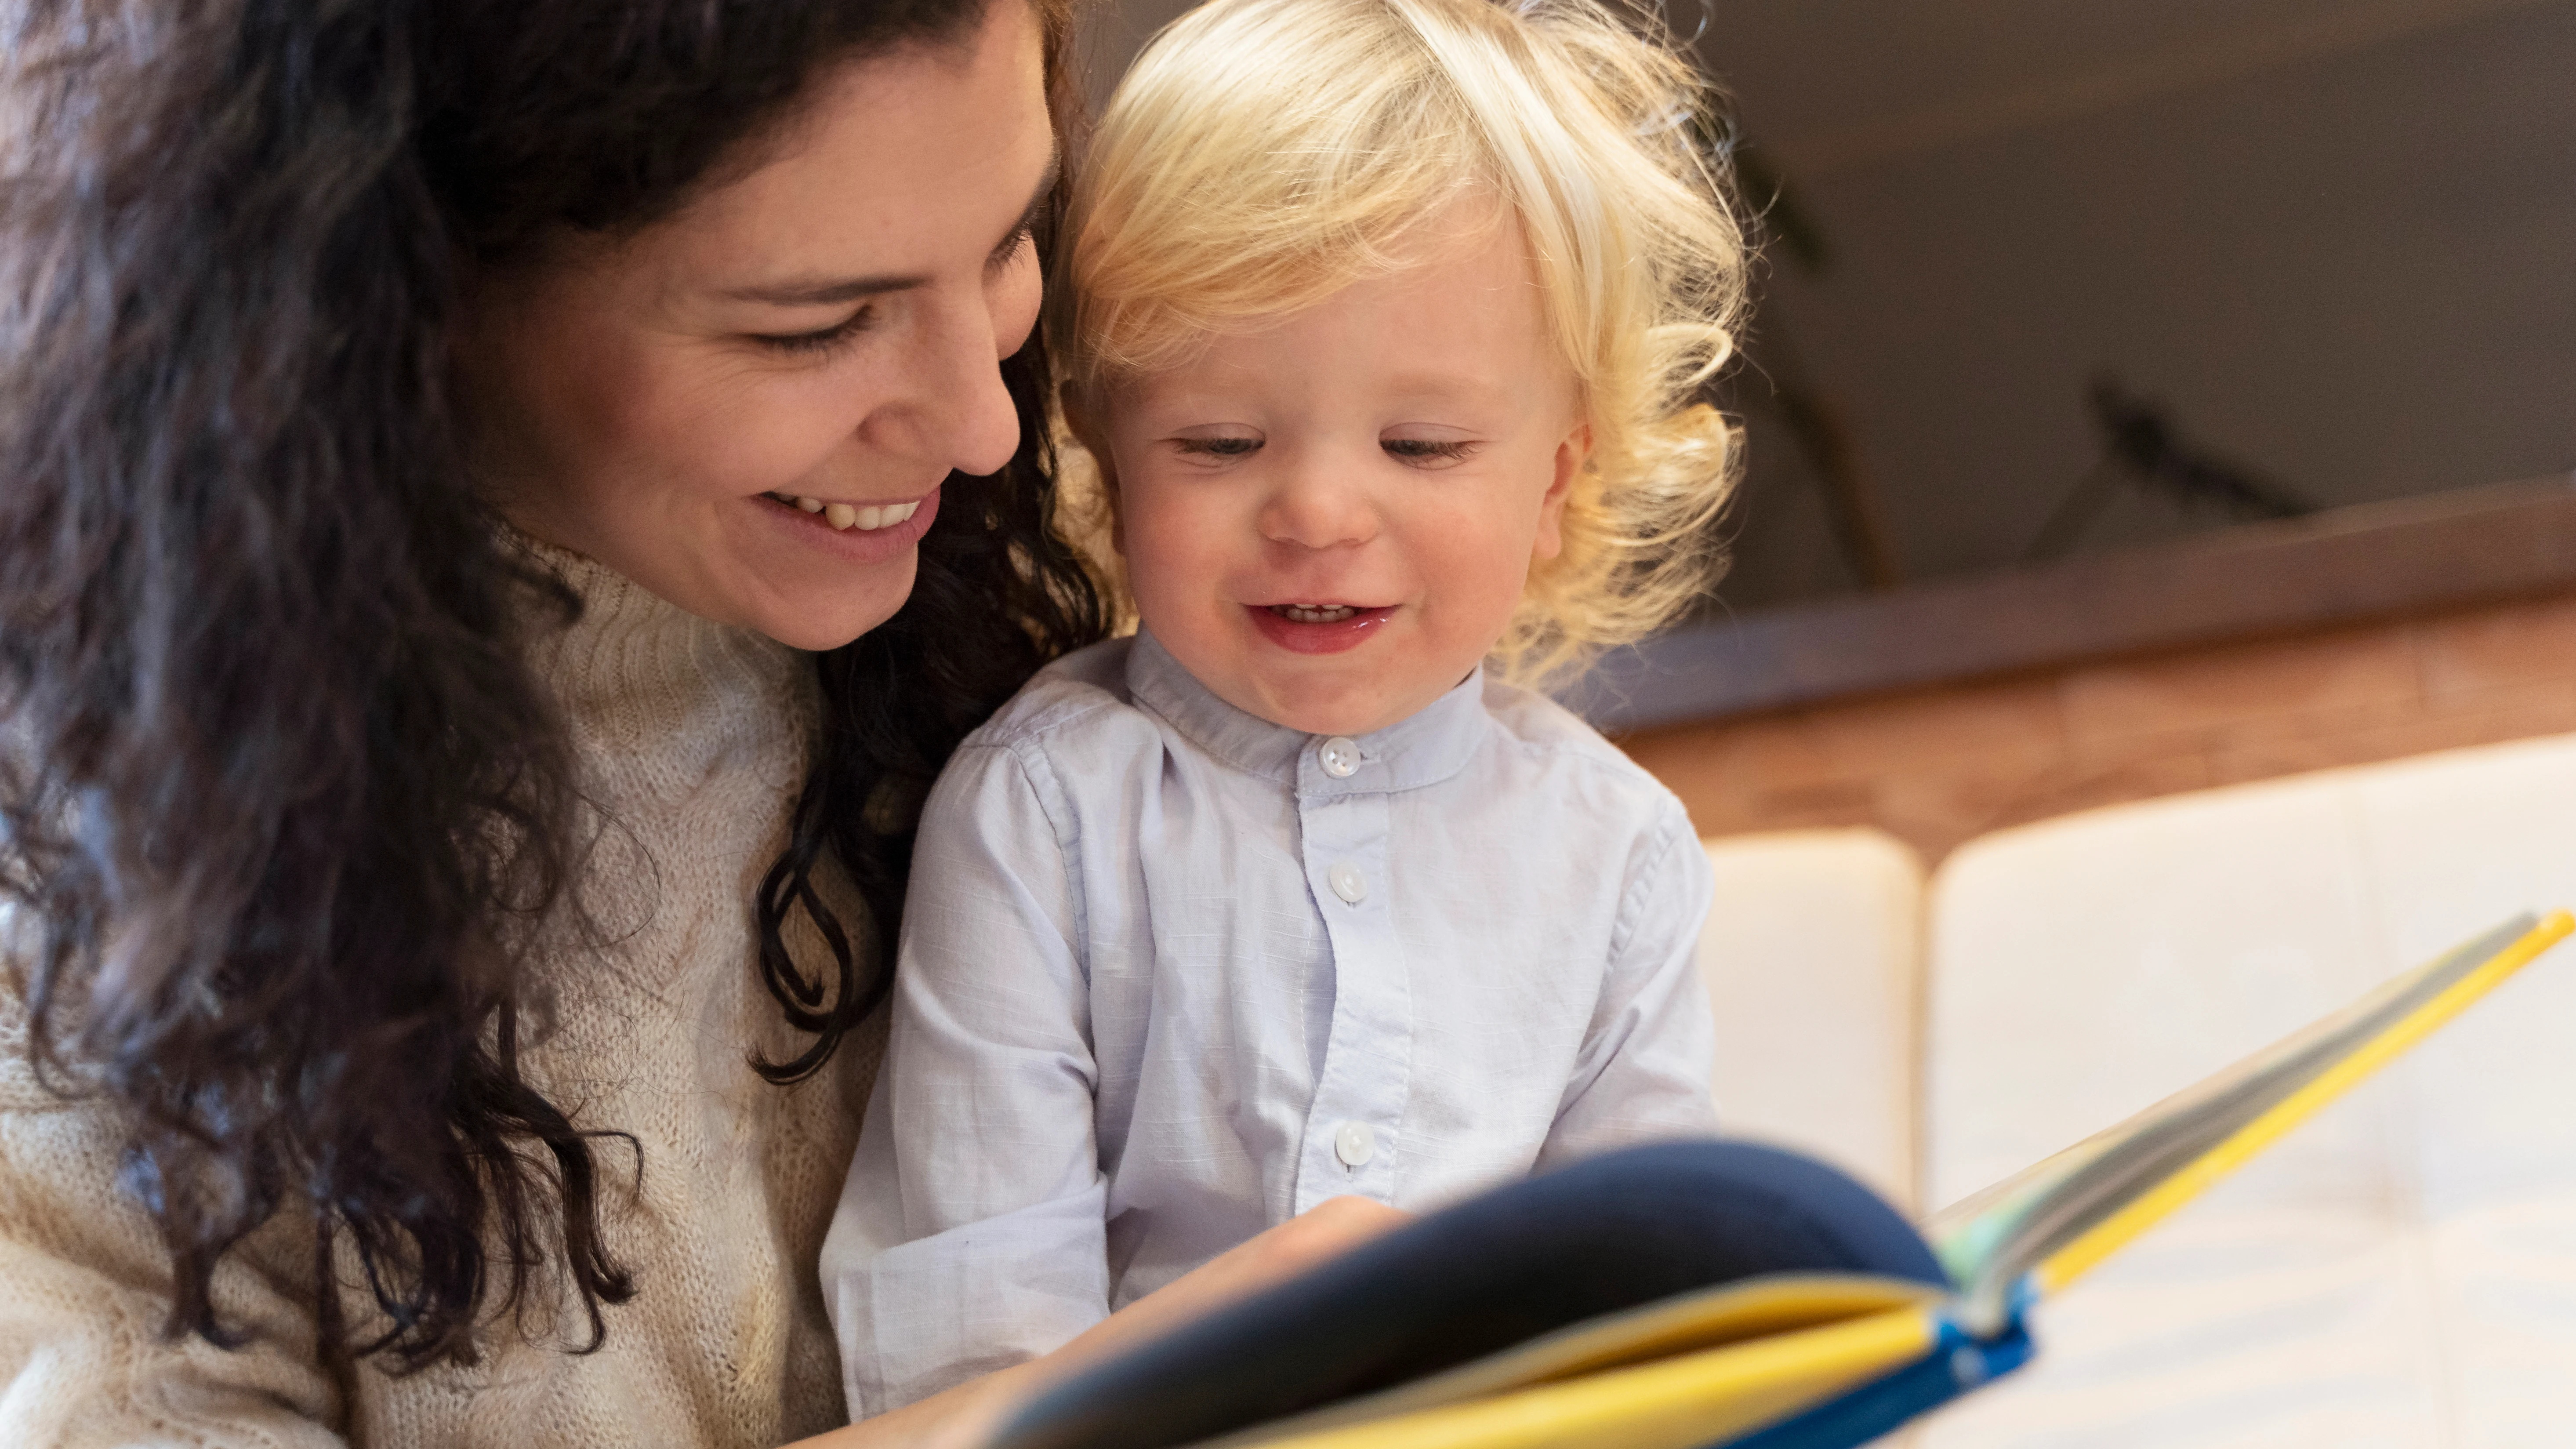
{"x": 1015, "y": 246}
{"x": 1425, "y": 452}
{"x": 1218, "y": 447}
{"x": 823, "y": 340}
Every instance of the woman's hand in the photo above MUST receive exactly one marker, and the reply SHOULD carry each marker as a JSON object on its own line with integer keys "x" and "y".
{"x": 1330, "y": 1228}
{"x": 963, "y": 1416}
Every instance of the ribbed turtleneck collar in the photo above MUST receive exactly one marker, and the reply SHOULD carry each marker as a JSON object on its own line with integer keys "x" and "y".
{"x": 639, "y": 676}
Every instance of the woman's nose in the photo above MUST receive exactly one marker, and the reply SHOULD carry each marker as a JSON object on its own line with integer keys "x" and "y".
{"x": 988, "y": 424}
{"x": 956, "y": 413}
{"x": 1316, "y": 504}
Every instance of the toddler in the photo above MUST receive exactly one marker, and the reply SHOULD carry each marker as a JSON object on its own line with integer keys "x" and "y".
{"x": 1383, "y": 321}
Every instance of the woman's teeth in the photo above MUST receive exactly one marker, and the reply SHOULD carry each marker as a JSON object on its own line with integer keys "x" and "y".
{"x": 1315, "y": 613}
{"x": 847, "y": 516}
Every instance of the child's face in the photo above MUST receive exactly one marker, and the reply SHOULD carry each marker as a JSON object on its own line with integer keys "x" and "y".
{"x": 1330, "y": 522}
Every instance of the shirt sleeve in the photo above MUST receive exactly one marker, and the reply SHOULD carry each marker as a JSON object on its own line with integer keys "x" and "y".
{"x": 1643, "y": 1073}
{"x": 85, "y": 1288}
{"x": 972, "y": 1232}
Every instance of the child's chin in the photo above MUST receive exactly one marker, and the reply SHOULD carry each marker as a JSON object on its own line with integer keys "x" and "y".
{"x": 1319, "y": 706}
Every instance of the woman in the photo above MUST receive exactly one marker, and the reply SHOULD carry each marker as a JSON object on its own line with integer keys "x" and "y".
{"x": 441, "y": 898}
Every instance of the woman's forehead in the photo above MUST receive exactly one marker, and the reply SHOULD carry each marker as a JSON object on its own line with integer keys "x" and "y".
{"x": 903, "y": 165}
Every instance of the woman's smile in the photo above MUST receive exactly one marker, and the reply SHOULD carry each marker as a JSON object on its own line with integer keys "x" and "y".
{"x": 874, "y": 533}
{"x": 842, "y": 517}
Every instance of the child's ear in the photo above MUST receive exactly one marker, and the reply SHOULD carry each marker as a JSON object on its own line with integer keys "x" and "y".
{"x": 1572, "y": 452}
{"x": 1078, "y": 421}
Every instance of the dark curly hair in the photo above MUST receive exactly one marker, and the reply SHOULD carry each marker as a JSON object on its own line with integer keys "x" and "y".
{"x": 281, "y": 801}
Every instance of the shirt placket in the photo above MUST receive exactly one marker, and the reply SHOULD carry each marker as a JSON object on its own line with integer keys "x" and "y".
{"x": 1353, "y": 1129}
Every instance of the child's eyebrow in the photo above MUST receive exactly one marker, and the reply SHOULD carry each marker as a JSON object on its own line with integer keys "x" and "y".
{"x": 1445, "y": 387}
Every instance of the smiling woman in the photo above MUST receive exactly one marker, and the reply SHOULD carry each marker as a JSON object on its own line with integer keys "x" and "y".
{"x": 510, "y": 502}
{"x": 749, "y": 408}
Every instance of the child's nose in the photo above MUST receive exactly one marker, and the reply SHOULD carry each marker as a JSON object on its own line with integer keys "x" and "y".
{"x": 1317, "y": 505}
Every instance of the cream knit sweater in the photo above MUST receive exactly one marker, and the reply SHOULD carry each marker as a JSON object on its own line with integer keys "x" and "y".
{"x": 696, "y": 737}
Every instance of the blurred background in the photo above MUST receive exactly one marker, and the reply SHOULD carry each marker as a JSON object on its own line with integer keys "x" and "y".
{"x": 2142, "y": 394}
{"x": 2333, "y": 242}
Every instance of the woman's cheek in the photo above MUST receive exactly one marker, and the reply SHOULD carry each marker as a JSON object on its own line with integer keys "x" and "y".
{"x": 770, "y": 436}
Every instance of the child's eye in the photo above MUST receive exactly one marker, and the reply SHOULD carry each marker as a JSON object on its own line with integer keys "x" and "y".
{"x": 1218, "y": 447}
{"x": 1426, "y": 452}
{"x": 823, "y": 340}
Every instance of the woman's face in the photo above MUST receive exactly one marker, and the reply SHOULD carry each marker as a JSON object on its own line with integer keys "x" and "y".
{"x": 748, "y": 408}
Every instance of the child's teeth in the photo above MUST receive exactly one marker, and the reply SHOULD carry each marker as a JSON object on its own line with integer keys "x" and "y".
{"x": 1324, "y": 614}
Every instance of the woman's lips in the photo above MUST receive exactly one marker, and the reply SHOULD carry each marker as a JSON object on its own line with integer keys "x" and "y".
{"x": 853, "y": 540}
{"x": 1318, "y": 628}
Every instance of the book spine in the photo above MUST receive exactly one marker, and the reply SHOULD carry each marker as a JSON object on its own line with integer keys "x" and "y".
{"x": 1956, "y": 1364}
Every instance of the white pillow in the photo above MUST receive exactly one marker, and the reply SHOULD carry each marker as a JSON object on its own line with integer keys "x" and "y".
{"x": 1811, "y": 959}
{"x": 2399, "y": 1272}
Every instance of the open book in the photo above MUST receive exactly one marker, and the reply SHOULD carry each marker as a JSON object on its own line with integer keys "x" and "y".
{"x": 1818, "y": 1361}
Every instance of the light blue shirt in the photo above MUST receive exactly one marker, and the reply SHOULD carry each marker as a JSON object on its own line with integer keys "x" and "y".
{"x": 1171, "y": 974}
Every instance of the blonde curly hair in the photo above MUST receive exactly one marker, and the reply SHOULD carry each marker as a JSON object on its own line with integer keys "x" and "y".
{"x": 1263, "y": 154}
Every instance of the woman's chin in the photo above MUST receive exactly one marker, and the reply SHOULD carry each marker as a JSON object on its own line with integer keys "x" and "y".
{"x": 826, "y": 618}
{"x": 811, "y": 586}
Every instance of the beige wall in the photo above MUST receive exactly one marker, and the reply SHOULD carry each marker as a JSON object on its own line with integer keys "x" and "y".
{"x": 1941, "y": 765}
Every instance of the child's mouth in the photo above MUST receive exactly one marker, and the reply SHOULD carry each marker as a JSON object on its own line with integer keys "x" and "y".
{"x": 1318, "y": 628}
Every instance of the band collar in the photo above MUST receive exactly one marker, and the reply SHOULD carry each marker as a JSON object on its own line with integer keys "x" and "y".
{"x": 1423, "y": 748}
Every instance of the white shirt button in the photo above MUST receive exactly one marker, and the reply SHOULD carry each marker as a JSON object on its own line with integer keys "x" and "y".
{"x": 1354, "y": 1143}
{"x": 1340, "y": 756}
{"x": 1347, "y": 882}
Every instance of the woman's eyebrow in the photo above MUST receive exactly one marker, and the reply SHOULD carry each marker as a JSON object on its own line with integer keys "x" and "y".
{"x": 818, "y": 294}
{"x": 851, "y": 289}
